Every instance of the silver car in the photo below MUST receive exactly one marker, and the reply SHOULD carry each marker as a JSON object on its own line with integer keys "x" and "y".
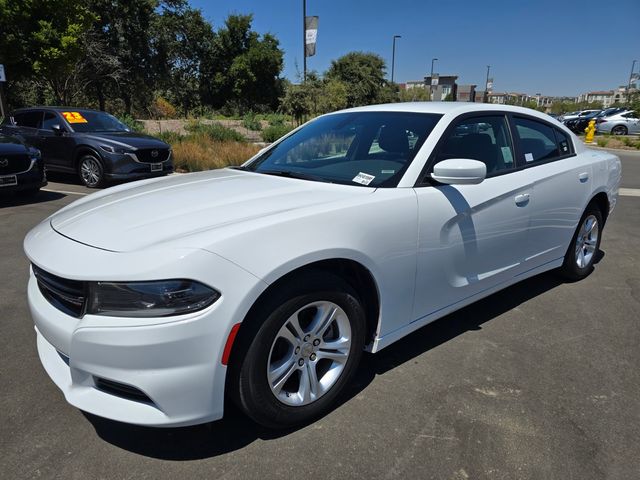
{"x": 622, "y": 123}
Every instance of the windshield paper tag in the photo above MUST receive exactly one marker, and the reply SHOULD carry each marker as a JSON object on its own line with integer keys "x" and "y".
{"x": 74, "y": 117}
{"x": 363, "y": 178}
{"x": 528, "y": 157}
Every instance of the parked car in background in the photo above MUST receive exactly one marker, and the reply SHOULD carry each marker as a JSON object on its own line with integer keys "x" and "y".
{"x": 91, "y": 143}
{"x": 578, "y": 124}
{"x": 154, "y": 302}
{"x": 578, "y": 114}
{"x": 21, "y": 167}
{"x": 622, "y": 123}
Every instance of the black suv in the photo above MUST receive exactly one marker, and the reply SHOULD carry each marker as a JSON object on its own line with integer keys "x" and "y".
{"x": 21, "y": 167}
{"x": 93, "y": 144}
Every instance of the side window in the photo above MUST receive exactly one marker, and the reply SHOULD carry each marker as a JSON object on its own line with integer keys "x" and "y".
{"x": 49, "y": 120}
{"x": 537, "y": 141}
{"x": 563, "y": 142}
{"x": 480, "y": 138}
{"x": 28, "y": 119}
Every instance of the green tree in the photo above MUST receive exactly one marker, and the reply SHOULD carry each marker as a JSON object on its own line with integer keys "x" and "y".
{"x": 364, "y": 75}
{"x": 243, "y": 71}
{"x": 43, "y": 40}
{"x": 182, "y": 41}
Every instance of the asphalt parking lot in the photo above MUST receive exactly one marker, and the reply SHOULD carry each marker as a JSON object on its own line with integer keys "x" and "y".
{"x": 541, "y": 380}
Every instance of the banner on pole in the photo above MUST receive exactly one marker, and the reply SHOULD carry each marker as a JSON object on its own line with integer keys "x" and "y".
{"x": 310, "y": 36}
{"x": 435, "y": 78}
{"x": 490, "y": 84}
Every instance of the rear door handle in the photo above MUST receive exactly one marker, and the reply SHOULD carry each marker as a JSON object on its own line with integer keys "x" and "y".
{"x": 583, "y": 177}
{"x": 522, "y": 199}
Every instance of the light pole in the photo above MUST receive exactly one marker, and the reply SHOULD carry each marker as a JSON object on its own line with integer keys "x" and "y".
{"x": 633, "y": 67}
{"x": 393, "y": 56}
{"x": 433, "y": 60}
{"x": 486, "y": 86}
{"x": 304, "y": 40}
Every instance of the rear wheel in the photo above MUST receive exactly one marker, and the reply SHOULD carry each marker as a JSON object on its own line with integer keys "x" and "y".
{"x": 306, "y": 349}
{"x": 619, "y": 130}
{"x": 91, "y": 171}
{"x": 581, "y": 255}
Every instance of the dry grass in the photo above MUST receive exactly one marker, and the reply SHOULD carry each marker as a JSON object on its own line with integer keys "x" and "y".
{"x": 198, "y": 152}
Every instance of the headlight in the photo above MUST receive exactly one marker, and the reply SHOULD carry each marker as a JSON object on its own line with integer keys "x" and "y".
{"x": 110, "y": 149}
{"x": 149, "y": 299}
{"x": 35, "y": 153}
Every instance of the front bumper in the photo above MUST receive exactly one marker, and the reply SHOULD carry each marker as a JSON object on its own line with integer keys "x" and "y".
{"x": 125, "y": 167}
{"x": 174, "y": 361}
{"x": 32, "y": 179}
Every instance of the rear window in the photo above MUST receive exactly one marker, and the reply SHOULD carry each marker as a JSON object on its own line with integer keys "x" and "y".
{"x": 540, "y": 142}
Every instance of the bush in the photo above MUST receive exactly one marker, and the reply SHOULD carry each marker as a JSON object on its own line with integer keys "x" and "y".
{"x": 161, "y": 108}
{"x": 133, "y": 124}
{"x": 274, "y": 132}
{"x": 602, "y": 142}
{"x": 275, "y": 119}
{"x": 214, "y": 131}
{"x": 251, "y": 122}
{"x": 199, "y": 152}
{"x": 168, "y": 137}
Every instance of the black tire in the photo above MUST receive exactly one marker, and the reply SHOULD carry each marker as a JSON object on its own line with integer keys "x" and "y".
{"x": 93, "y": 177}
{"x": 250, "y": 387}
{"x": 619, "y": 130}
{"x": 571, "y": 268}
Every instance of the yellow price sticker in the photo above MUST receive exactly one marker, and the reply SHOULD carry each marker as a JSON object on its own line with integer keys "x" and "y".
{"x": 74, "y": 117}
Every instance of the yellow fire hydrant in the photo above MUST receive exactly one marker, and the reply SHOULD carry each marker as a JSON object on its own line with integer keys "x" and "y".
{"x": 590, "y": 131}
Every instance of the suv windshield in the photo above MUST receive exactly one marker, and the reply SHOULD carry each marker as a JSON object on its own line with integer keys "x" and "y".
{"x": 89, "y": 121}
{"x": 358, "y": 148}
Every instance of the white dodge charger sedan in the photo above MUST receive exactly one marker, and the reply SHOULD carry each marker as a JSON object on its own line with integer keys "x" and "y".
{"x": 155, "y": 301}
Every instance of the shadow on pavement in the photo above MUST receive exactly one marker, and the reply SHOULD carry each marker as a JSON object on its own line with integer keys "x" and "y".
{"x": 14, "y": 200}
{"x": 236, "y": 431}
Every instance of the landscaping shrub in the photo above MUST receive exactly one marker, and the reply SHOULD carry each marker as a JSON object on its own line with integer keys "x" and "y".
{"x": 251, "y": 122}
{"x": 132, "y": 123}
{"x": 200, "y": 152}
{"x": 214, "y": 131}
{"x": 274, "y": 132}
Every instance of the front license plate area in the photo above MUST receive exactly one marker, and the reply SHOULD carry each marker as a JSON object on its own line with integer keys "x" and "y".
{"x": 156, "y": 167}
{"x": 8, "y": 181}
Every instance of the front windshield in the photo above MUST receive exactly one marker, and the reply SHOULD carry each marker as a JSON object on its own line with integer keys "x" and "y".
{"x": 356, "y": 148}
{"x": 85, "y": 121}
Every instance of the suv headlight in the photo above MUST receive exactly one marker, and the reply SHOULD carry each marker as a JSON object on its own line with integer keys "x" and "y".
{"x": 110, "y": 149}
{"x": 149, "y": 299}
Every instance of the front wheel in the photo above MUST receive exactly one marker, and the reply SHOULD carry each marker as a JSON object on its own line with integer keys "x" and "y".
{"x": 304, "y": 353}
{"x": 581, "y": 255}
{"x": 91, "y": 171}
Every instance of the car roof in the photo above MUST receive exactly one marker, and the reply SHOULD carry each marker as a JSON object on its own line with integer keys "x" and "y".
{"x": 444, "y": 108}
{"x": 55, "y": 109}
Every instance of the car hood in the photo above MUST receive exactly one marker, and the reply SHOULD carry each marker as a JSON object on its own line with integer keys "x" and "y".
{"x": 11, "y": 146}
{"x": 126, "y": 139}
{"x": 139, "y": 215}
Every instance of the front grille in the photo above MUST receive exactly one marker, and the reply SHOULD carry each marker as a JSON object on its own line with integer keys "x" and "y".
{"x": 10, "y": 164}
{"x": 146, "y": 155}
{"x": 68, "y": 296}
{"x": 120, "y": 390}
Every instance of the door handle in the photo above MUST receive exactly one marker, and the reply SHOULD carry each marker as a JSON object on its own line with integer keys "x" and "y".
{"x": 583, "y": 177}
{"x": 522, "y": 199}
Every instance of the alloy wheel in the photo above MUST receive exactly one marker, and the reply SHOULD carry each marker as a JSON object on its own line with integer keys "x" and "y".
{"x": 309, "y": 353}
{"x": 587, "y": 241}
{"x": 90, "y": 171}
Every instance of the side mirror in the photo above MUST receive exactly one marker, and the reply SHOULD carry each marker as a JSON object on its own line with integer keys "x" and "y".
{"x": 57, "y": 129}
{"x": 459, "y": 171}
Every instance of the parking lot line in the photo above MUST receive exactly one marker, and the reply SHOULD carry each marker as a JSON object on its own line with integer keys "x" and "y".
{"x": 66, "y": 192}
{"x": 629, "y": 192}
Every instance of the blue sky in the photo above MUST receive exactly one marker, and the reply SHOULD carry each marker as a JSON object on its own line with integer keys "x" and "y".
{"x": 554, "y": 47}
